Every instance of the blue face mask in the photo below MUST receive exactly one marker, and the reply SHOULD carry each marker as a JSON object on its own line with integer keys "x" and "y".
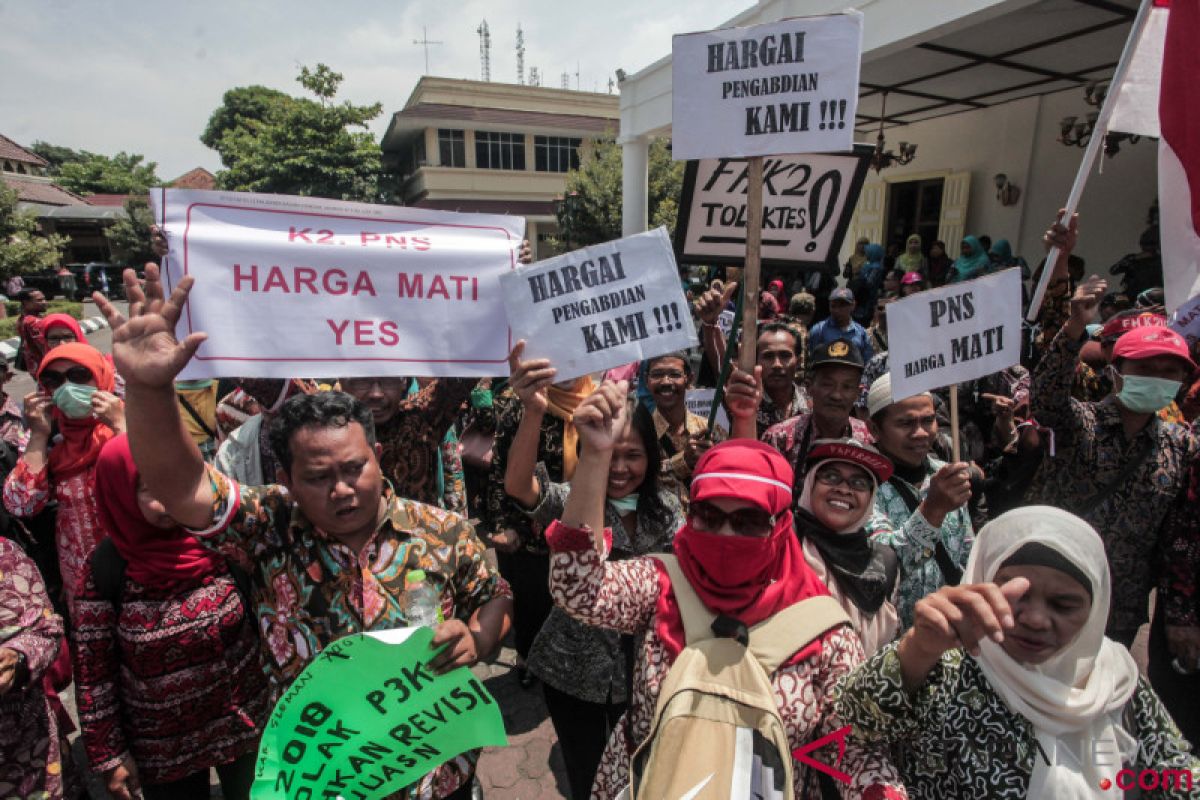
{"x": 1143, "y": 395}
{"x": 74, "y": 399}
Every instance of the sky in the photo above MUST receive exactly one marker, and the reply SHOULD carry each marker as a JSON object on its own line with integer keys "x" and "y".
{"x": 109, "y": 75}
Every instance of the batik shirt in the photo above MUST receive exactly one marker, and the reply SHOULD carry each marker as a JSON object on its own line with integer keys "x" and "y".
{"x": 794, "y": 438}
{"x": 915, "y": 540}
{"x": 675, "y": 475}
{"x": 502, "y": 511}
{"x": 770, "y": 414}
{"x": 412, "y": 439}
{"x": 310, "y": 590}
{"x": 955, "y": 737}
{"x": 1090, "y": 453}
{"x": 1179, "y": 559}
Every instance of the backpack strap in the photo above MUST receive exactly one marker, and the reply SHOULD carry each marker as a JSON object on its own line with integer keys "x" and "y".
{"x": 777, "y": 638}
{"x": 108, "y": 573}
{"x": 697, "y": 619}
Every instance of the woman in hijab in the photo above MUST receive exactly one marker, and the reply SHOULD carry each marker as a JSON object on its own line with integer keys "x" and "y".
{"x": 857, "y": 259}
{"x": 59, "y": 329}
{"x": 912, "y": 259}
{"x": 838, "y": 499}
{"x": 971, "y": 263}
{"x": 775, "y": 287}
{"x": 1006, "y": 687}
{"x": 939, "y": 264}
{"x": 168, "y": 674}
{"x": 75, "y": 397}
{"x": 738, "y": 552}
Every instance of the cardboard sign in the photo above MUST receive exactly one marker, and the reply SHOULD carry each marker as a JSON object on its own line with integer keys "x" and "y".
{"x": 368, "y": 717}
{"x": 956, "y": 333}
{"x": 782, "y": 87}
{"x": 300, "y": 286}
{"x": 602, "y": 306}
{"x": 808, "y": 201}
{"x": 1186, "y": 320}
{"x": 699, "y": 401}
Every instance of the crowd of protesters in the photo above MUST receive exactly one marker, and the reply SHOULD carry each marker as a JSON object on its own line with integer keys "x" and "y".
{"x": 177, "y": 552}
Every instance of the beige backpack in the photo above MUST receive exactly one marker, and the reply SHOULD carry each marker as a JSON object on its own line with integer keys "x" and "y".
{"x": 717, "y": 733}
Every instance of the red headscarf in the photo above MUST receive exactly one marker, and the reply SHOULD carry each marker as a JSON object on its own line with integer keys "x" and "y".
{"x": 63, "y": 321}
{"x": 154, "y": 556}
{"x": 745, "y": 577}
{"x": 81, "y": 438}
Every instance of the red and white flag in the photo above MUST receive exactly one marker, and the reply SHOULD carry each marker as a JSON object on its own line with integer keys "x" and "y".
{"x": 1135, "y": 99}
{"x": 1179, "y": 154}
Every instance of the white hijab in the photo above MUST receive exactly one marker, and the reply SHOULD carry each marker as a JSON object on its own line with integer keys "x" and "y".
{"x": 1075, "y": 699}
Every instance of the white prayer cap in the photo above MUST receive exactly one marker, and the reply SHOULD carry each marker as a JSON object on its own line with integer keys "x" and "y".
{"x": 879, "y": 396}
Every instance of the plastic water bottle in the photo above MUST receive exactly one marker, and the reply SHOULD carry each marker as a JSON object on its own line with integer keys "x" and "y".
{"x": 422, "y": 605}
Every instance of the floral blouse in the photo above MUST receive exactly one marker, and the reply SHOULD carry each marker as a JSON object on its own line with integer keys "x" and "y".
{"x": 955, "y": 737}
{"x": 623, "y": 596}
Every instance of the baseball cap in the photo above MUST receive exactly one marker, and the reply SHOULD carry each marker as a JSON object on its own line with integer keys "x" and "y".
{"x": 843, "y": 294}
{"x": 911, "y": 278}
{"x": 839, "y": 351}
{"x": 1149, "y": 342}
{"x": 853, "y": 452}
{"x": 1120, "y": 324}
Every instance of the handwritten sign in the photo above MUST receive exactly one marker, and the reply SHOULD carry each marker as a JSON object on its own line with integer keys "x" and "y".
{"x": 602, "y": 306}
{"x": 1186, "y": 320}
{"x": 782, "y": 87}
{"x": 956, "y": 333}
{"x": 808, "y": 201}
{"x": 699, "y": 401}
{"x": 368, "y": 717}
{"x": 297, "y": 286}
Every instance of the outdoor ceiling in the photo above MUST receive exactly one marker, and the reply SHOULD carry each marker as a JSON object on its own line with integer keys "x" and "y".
{"x": 1043, "y": 48}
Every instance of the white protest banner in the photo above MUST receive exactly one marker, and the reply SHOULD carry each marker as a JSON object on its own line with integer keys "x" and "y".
{"x": 782, "y": 87}
{"x": 807, "y": 205}
{"x": 602, "y": 306}
{"x": 302, "y": 286}
{"x": 1186, "y": 320}
{"x": 699, "y": 401}
{"x": 956, "y": 333}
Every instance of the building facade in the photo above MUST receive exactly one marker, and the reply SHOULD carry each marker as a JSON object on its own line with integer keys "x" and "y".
{"x": 476, "y": 146}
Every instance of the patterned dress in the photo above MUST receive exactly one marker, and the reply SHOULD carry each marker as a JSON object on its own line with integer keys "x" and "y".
{"x": 31, "y": 754}
{"x": 794, "y": 438}
{"x": 171, "y": 677}
{"x": 622, "y": 596}
{"x": 955, "y": 737}
{"x": 310, "y": 590}
{"x": 412, "y": 438}
{"x": 76, "y": 527}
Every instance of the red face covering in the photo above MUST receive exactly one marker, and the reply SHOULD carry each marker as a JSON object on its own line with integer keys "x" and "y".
{"x": 749, "y": 578}
{"x": 81, "y": 438}
{"x": 154, "y": 556}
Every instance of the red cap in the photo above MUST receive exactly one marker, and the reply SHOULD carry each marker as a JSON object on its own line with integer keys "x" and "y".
{"x": 911, "y": 278}
{"x": 1124, "y": 323}
{"x": 854, "y": 452}
{"x": 1150, "y": 342}
{"x": 747, "y": 470}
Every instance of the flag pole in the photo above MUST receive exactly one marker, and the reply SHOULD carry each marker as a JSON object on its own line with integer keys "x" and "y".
{"x": 748, "y": 354}
{"x": 1090, "y": 153}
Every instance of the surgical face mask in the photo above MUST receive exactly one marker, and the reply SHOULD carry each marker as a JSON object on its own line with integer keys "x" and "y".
{"x": 192, "y": 386}
{"x": 74, "y": 399}
{"x": 1143, "y": 395}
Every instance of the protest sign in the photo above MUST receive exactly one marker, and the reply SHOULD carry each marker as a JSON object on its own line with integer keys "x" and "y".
{"x": 782, "y": 87}
{"x": 602, "y": 306}
{"x": 699, "y": 402}
{"x": 368, "y": 717}
{"x": 300, "y": 286}
{"x": 808, "y": 202}
{"x": 956, "y": 333}
{"x": 1186, "y": 320}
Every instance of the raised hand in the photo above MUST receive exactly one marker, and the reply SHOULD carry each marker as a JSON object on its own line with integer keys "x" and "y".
{"x": 145, "y": 349}
{"x": 710, "y": 304}
{"x": 1087, "y": 298}
{"x": 530, "y": 379}
{"x": 37, "y": 414}
{"x": 955, "y": 616}
{"x": 1062, "y": 236}
{"x": 525, "y": 256}
{"x": 601, "y": 417}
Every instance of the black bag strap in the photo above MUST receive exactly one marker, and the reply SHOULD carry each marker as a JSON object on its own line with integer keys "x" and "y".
{"x": 194, "y": 414}
{"x": 951, "y": 573}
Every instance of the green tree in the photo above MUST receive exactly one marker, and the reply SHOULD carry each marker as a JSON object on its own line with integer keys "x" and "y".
{"x": 87, "y": 173}
{"x": 129, "y": 238}
{"x": 22, "y": 248}
{"x": 591, "y": 212}
{"x": 56, "y": 155}
{"x": 271, "y": 142}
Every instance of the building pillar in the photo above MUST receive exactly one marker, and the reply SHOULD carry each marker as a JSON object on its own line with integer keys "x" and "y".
{"x": 635, "y": 190}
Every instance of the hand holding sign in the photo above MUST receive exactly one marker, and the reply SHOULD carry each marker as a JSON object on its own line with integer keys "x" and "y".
{"x": 530, "y": 379}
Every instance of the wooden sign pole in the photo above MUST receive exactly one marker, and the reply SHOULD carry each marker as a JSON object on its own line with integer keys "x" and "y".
{"x": 748, "y": 355}
{"x": 955, "y": 450}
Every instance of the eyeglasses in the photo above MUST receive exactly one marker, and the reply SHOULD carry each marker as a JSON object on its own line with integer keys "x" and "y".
{"x": 831, "y": 477}
{"x": 745, "y": 521}
{"x": 667, "y": 375}
{"x": 51, "y": 379}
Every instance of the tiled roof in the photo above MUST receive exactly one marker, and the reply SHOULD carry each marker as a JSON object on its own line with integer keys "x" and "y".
{"x": 14, "y": 152}
{"x": 507, "y": 116}
{"x": 34, "y": 191}
{"x": 198, "y": 178}
{"x": 107, "y": 199}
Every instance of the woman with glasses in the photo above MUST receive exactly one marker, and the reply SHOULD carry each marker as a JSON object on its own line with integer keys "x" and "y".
{"x": 583, "y": 669}
{"x": 738, "y": 552}
{"x": 75, "y": 399}
{"x": 838, "y": 499}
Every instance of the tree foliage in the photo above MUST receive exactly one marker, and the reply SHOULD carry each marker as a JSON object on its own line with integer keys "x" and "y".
{"x": 593, "y": 212}
{"x": 129, "y": 238}
{"x": 22, "y": 249}
{"x": 85, "y": 173}
{"x": 272, "y": 142}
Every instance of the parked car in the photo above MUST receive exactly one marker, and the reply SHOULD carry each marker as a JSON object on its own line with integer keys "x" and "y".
{"x": 99, "y": 276}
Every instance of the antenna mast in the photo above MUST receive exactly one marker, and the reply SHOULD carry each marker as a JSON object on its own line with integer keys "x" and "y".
{"x": 566, "y": 80}
{"x": 425, "y": 41}
{"x": 485, "y": 51}
{"x": 535, "y": 79}
{"x": 520, "y": 55}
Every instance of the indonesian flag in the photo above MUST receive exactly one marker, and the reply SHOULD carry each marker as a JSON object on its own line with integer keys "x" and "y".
{"x": 1179, "y": 154}
{"x": 1135, "y": 100}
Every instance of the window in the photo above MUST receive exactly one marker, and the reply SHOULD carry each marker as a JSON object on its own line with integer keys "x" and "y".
{"x": 555, "y": 153}
{"x": 499, "y": 150}
{"x": 452, "y": 148}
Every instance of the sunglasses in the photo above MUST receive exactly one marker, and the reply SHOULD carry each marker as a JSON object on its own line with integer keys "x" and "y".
{"x": 831, "y": 477}
{"x": 745, "y": 521}
{"x": 52, "y": 379}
